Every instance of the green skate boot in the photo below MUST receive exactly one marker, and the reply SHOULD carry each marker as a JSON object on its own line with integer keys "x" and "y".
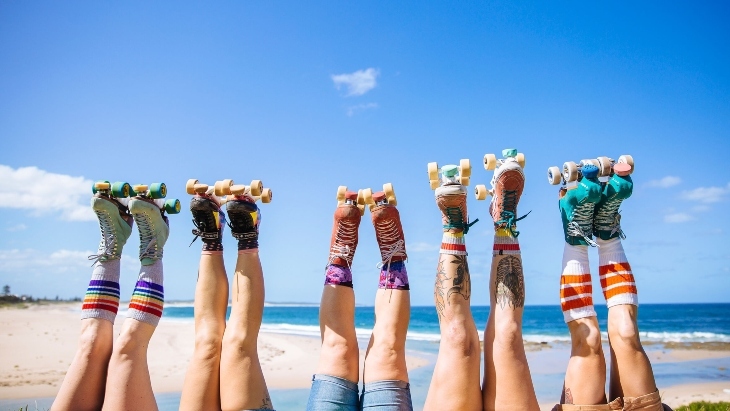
{"x": 148, "y": 209}
{"x": 607, "y": 220}
{"x": 115, "y": 222}
{"x": 577, "y": 206}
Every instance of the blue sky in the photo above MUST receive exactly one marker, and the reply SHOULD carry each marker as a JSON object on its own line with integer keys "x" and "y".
{"x": 309, "y": 96}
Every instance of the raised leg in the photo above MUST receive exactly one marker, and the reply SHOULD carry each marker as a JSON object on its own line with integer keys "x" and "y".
{"x": 201, "y": 389}
{"x": 455, "y": 381}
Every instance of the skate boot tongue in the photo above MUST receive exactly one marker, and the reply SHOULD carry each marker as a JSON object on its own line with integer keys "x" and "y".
{"x": 590, "y": 171}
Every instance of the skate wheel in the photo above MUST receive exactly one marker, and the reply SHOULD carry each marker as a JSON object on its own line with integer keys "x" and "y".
{"x": 434, "y": 184}
{"x": 464, "y": 181}
{"x": 480, "y": 191}
{"x": 361, "y": 207}
{"x": 96, "y": 186}
{"x": 238, "y": 189}
{"x": 570, "y": 171}
{"x": 520, "y": 157}
{"x": 257, "y": 187}
{"x": 190, "y": 186}
{"x": 223, "y": 187}
{"x": 367, "y": 196}
{"x": 341, "y": 192}
{"x": 172, "y": 206}
{"x": 490, "y": 162}
{"x": 140, "y": 188}
{"x": 465, "y": 167}
{"x": 622, "y": 169}
{"x": 604, "y": 166}
{"x": 433, "y": 171}
{"x": 628, "y": 160}
{"x": 554, "y": 175}
{"x": 158, "y": 190}
{"x": 121, "y": 189}
{"x": 390, "y": 193}
{"x": 266, "y": 195}
{"x": 200, "y": 188}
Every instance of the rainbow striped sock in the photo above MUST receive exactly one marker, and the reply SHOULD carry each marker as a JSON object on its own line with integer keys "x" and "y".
{"x": 617, "y": 280}
{"x": 102, "y": 296}
{"x": 505, "y": 243}
{"x": 148, "y": 297}
{"x": 576, "y": 289}
{"x": 453, "y": 243}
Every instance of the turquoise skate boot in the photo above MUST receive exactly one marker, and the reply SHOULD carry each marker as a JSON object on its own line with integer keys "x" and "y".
{"x": 577, "y": 206}
{"x": 115, "y": 221}
{"x": 148, "y": 211}
{"x": 607, "y": 220}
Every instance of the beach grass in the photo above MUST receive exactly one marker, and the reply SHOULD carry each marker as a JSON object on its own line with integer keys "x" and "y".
{"x": 705, "y": 406}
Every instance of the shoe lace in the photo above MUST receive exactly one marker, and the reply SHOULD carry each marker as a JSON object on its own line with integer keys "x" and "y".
{"x": 580, "y": 225}
{"x": 456, "y": 219}
{"x": 203, "y": 220}
{"x": 346, "y": 232}
{"x": 508, "y": 217}
{"x": 608, "y": 217}
{"x": 147, "y": 238}
{"x": 108, "y": 237}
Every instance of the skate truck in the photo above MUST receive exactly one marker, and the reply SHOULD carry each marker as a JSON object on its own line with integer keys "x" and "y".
{"x": 225, "y": 190}
{"x": 387, "y": 196}
{"x": 153, "y": 193}
{"x": 572, "y": 172}
{"x": 491, "y": 162}
{"x": 450, "y": 174}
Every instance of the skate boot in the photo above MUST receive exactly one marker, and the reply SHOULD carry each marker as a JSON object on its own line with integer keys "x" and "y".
{"x": 607, "y": 220}
{"x": 115, "y": 221}
{"x": 244, "y": 218}
{"x": 148, "y": 209}
{"x": 391, "y": 241}
{"x": 343, "y": 241}
{"x": 208, "y": 218}
{"x": 451, "y": 200}
{"x": 507, "y": 184}
{"x": 577, "y": 206}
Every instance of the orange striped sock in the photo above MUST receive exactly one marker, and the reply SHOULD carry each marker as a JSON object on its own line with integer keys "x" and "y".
{"x": 576, "y": 290}
{"x": 617, "y": 280}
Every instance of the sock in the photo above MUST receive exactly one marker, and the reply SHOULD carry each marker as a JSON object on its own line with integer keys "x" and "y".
{"x": 102, "y": 296}
{"x": 338, "y": 275}
{"x": 453, "y": 243}
{"x": 394, "y": 276}
{"x": 215, "y": 245}
{"x": 248, "y": 241}
{"x": 148, "y": 297}
{"x": 505, "y": 243}
{"x": 617, "y": 280}
{"x": 576, "y": 290}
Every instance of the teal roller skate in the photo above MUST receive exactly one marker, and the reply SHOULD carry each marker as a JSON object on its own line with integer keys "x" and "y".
{"x": 148, "y": 208}
{"x": 578, "y": 197}
{"x": 618, "y": 186}
{"x": 110, "y": 203}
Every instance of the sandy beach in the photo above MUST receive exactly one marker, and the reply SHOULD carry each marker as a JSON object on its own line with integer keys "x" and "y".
{"x": 37, "y": 344}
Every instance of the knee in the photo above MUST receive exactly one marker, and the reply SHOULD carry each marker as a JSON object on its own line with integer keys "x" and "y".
{"x": 240, "y": 341}
{"x": 340, "y": 347}
{"x": 92, "y": 344}
{"x": 624, "y": 335}
{"x": 208, "y": 342}
{"x": 459, "y": 338}
{"x": 586, "y": 339}
{"x": 507, "y": 334}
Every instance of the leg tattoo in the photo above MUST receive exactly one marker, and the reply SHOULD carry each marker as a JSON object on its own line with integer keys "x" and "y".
{"x": 509, "y": 283}
{"x": 460, "y": 284}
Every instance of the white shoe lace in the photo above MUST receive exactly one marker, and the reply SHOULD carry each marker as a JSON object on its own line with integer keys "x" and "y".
{"x": 147, "y": 238}
{"x": 108, "y": 242}
{"x": 609, "y": 218}
{"x": 346, "y": 232}
{"x": 582, "y": 222}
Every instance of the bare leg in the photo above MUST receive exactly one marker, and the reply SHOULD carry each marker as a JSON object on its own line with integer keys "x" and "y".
{"x": 201, "y": 389}
{"x": 585, "y": 378}
{"x": 386, "y": 354}
{"x": 339, "y": 356}
{"x": 631, "y": 373}
{"x": 83, "y": 386}
{"x": 128, "y": 384}
{"x": 507, "y": 381}
{"x": 242, "y": 381}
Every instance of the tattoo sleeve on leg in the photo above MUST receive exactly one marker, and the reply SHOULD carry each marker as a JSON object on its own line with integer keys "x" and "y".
{"x": 568, "y": 396}
{"x": 509, "y": 283}
{"x": 266, "y": 404}
{"x": 460, "y": 283}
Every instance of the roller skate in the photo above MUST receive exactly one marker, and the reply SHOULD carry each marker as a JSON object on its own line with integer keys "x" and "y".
{"x": 450, "y": 191}
{"x": 388, "y": 228}
{"x": 618, "y": 186}
{"x": 205, "y": 206}
{"x": 578, "y": 196}
{"x": 110, "y": 204}
{"x": 148, "y": 207}
{"x": 243, "y": 212}
{"x": 343, "y": 242}
{"x": 507, "y": 184}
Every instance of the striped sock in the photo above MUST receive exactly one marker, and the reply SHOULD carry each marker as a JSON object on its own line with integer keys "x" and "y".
{"x": 505, "y": 243}
{"x": 576, "y": 290}
{"x": 102, "y": 296}
{"x": 617, "y": 280}
{"x": 148, "y": 297}
{"x": 453, "y": 243}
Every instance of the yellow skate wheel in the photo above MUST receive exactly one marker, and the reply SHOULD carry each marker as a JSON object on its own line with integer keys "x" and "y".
{"x": 140, "y": 189}
{"x": 190, "y": 186}
{"x": 480, "y": 191}
{"x": 238, "y": 189}
{"x": 102, "y": 185}
{"x": 520, "y": 157}
{"x": 464, "y": 181}
{"x": 200, "y": 188}
{"x": 361, "y": 207}
{"x": 570, "y": 171}
{"x": 628, "y": 160}
{"x": 490, "y": 162}
{"x": 257, "y": 187}
{"x": 266, "y": 195}
{"x": 390, "y": 193}
{"x": 223, "y": 187}
{"x": 465, "y": 167}
{"x": 367, "y": 195}
{"x": 341, "y": 191}
{"x": 554, "y": 175}
{"x": 433, "y": 171}
{"x": 434, "y": 184}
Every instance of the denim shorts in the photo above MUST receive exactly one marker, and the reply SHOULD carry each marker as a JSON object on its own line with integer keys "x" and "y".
{"x": 330, "y": 393}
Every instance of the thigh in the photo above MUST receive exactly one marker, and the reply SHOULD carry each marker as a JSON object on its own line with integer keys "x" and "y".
{"x": 330, "y": 393}
{"x": 388, "y": 395}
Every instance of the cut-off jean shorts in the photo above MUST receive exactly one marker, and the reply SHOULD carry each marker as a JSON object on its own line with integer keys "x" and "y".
{"x": 330, "y": 393}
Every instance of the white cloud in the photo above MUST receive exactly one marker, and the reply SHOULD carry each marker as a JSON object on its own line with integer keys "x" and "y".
{"x": 42, "y": 192}
{"x": 666, "y": 182}
{"x": 360, "y": 107}
{"x": 357, "y": 83}
{"x": 59, "y": 261}
{"x": 706, "y": 194}
{"x": 421, "y": 247}
{"x": 17, "y": 227}
{"x": 678, "y": 218}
